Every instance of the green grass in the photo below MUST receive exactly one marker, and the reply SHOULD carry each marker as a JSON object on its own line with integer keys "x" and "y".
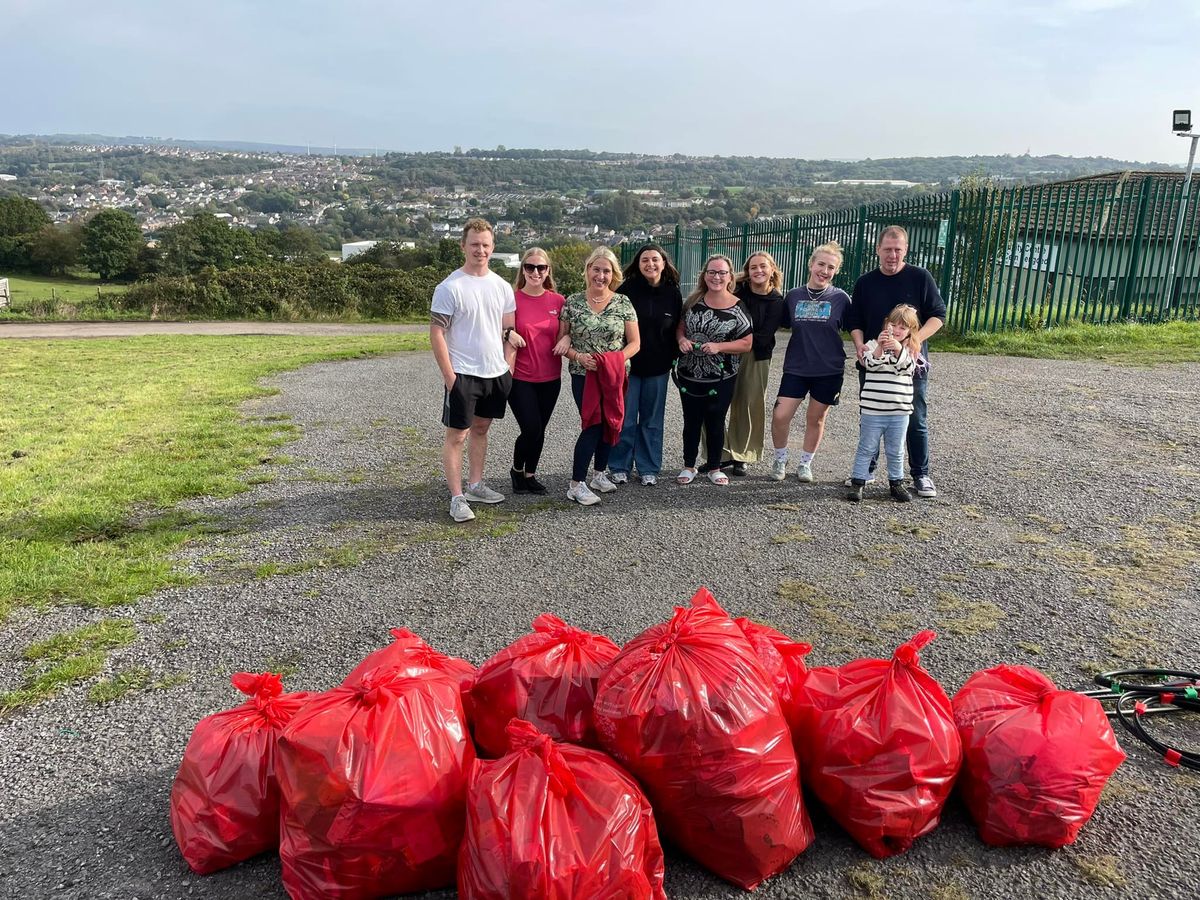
{"x": 67, "y": 658}
{"x": 26, "y": 288}
{"x": 100, "y": 438}
{"x": 1171, "y": 342}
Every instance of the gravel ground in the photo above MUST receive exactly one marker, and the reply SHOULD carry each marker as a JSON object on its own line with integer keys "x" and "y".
{"x": 1066, "y": 536}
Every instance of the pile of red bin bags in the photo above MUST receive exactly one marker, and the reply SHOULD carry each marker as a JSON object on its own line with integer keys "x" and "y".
{"x": 702, "y": 728}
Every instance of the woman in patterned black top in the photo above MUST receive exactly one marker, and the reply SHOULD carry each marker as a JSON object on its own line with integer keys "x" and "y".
{"x": 713, "y": 333}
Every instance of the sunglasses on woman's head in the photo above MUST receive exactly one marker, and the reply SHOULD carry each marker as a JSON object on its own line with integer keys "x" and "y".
{"x": 532, "y": 267}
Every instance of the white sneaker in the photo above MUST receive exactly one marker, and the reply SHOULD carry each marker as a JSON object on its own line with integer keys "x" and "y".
{"x": 481, "y": 493}
{"x": 804, "y": 472}
{"x": 649, "y": 480}
{"x": 924, "y": 486}
{"x": 618, "y": 477}
{"x": 581, "y": 495}
{"x": 460, "y": 509}
{"x": 602, "y": 483}
{"x": 779, "y": 469}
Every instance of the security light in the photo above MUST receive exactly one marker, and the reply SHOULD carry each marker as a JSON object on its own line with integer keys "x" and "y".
{"x": 1182, "y": 120}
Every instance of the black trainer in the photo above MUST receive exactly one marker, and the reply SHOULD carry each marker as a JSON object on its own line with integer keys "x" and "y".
{"x": 520, "y": 483}
{"x": 738, "y": 469}
{"x": 856, "y": 489}
{"x": 899, "y": 492}
{"x": 533, "y": 485}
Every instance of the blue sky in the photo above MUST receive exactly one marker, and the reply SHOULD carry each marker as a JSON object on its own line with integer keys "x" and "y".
{"x": 851, "y": 79}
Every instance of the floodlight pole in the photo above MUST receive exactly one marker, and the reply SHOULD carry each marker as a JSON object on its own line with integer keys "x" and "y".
{"x": 1183, "y": 201}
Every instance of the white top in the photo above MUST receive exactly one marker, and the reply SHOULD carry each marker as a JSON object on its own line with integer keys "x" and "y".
{"x": 887, "y": 388}
{"x": 476, "y": 305}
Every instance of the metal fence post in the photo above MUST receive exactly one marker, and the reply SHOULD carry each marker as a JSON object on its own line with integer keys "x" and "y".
{"x": 794, "y": 262}
{"x": 1135, "y": 253}
{"x": 859, "y": 238}
{"x": 948, "y": 256}
{"x": 703, "y": 246}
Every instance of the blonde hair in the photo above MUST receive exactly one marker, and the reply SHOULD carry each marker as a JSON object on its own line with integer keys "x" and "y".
{"x": 477, "y": 225}
{"x": 906, "y": 315}
{"x": 548, "y": 282}
{"x": 701, "y": 288}
{"x": 774, "y": 283}
{"x": 607, "y": 255}
{"x": 833, "y": 248}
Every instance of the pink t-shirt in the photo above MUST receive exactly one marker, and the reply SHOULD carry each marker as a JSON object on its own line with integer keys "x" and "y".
{"x": 537, "y": 322}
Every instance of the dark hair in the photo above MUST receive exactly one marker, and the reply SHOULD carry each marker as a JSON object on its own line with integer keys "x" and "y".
{"x": 633, "y": 274}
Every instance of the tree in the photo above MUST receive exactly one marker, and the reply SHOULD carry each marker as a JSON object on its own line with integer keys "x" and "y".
{"x": 55, "y": 249}
{"x": 111, "y": 243}
{"x": 20, "y": 216}
{"x": 568, "y": 262}
{"x": 204, "y": 240}
{"x": 291, "y": 242}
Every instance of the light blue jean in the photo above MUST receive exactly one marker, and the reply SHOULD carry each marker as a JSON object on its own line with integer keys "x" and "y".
{"x": 641, "y": 440}
{"x": 870, "y": 429}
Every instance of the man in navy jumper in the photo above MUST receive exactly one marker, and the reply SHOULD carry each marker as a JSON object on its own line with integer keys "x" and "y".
{"x": 875, "y": 295}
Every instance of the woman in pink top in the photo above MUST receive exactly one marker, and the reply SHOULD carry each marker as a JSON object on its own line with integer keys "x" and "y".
{"x": 537, "y": 372}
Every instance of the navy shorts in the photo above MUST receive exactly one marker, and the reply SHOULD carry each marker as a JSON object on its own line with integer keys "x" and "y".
{"x": 825, "y": 389}
{"x": 474, "y": 397}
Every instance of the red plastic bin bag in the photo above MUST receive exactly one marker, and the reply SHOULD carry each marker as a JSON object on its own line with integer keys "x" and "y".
{"x": 552, "y": 821}
{"x": 1035, "y": 758}
{"x": 373, "y": 778}
{"x": 410, "y": 655}
{"x": 880, "y": 747}
{"x": 782, "y": 657}
{"x": 688, "y": 709}
{"x": 225, "y": 800}
{"x": 783, "y": 660}
{"x": 547, "y": 678}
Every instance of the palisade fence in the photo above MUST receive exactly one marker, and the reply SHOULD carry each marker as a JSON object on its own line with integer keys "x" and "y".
{"x": 1093, "y": 250}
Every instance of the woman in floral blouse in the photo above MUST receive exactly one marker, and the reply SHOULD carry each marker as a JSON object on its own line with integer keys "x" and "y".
{"x": 594, "y": 321}
{"x": 713, "y": 333}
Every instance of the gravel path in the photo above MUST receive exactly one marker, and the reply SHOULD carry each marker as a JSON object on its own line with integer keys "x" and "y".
{"x": 1066, "y": 536}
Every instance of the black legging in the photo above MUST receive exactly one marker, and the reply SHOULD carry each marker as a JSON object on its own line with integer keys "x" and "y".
{"x": 532, "y": 403}
{"x": 704, "y": 406}
{"x": 590, "y": 442}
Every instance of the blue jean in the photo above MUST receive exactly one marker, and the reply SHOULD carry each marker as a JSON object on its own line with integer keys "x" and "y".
{"x": 641, "y": 440}
{"x": 918, "y": 428}
{"x": 870, "y": 429}
{"x": 590, "y": 443}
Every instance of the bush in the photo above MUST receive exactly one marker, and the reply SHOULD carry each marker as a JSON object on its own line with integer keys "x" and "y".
{"x": 290, "y": 292}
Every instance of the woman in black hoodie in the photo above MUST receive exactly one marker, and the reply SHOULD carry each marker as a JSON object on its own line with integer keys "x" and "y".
{"x": 758, "y": 287}
{"x": 652, "y": 283}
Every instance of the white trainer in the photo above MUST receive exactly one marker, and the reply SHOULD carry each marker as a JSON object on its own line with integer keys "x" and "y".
{"x": 779, "y": 469}
{"x": 581, "y": 495}
{"x": 602, "y": 483}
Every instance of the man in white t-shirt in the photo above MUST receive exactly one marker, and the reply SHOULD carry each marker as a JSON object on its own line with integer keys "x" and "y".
{"x": 472, "y": 311}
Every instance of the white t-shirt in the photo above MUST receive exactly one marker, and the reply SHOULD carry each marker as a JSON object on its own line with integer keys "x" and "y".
{"x": 476, "y": 305}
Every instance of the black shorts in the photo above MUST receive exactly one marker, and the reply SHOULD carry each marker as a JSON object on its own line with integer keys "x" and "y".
{"x": 825, "y": 389}
{"x": 474, "y": 397}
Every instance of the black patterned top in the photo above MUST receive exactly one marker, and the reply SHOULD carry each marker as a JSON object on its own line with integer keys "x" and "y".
{"x": 702, "y": 325}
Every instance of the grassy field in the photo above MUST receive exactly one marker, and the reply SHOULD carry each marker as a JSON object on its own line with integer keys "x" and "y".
{"x": 1171, "y": 342}
{"x": 53, "y": 299}
{"x": 99, "y": 439}
{"x": 28, "y": 289}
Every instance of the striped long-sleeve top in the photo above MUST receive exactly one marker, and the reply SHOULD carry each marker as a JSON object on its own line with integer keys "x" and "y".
{"x": 888, "y": 388}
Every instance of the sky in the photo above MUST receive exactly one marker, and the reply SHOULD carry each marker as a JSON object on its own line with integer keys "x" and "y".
{"x": 848, "y": 79}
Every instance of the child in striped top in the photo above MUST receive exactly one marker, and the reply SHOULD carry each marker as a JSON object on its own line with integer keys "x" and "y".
{"x": 886, "y": 400}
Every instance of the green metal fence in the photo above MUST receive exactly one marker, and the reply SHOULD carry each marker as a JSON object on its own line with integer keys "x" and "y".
{"x": 1094, "y": 250}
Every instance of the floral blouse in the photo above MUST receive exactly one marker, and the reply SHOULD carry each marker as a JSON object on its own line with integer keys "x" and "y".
{"x": 593, "y": 332}
{"x": 705, "y": 325}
